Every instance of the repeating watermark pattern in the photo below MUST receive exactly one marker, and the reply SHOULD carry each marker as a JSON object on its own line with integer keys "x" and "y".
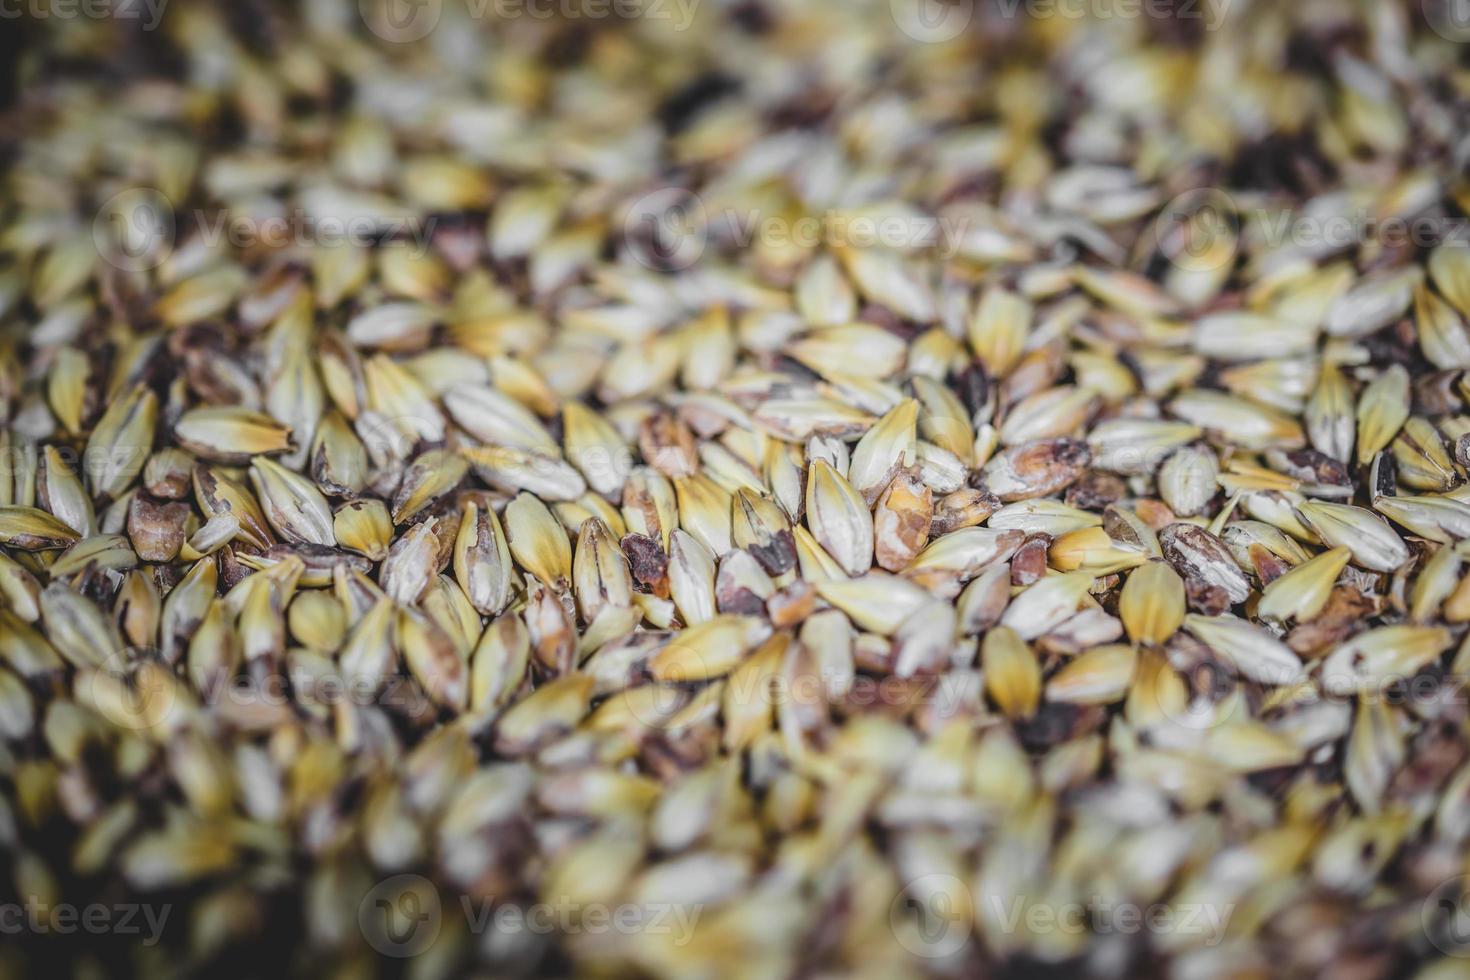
{"x": 1204, "y": 229}
{"x": 135, "y": 699}
{"x": 932, "y": 21}
{"x": 678, "y": 13}
{"x": 126, "y": 697}
{"x": 1211, "y": 13}
{"x": 147, "y": 14}
{"x": 938, "y": 21}
{"x": 402, "y": 917}
{"x": 934, "y": 915}
{"x": 1445, "y": 915}
{"x": 1104, "y": 917}
{"x": 1213, "y": 681}
{"x": 406, "y": 21}
{"x": 92, "y": 462}
{"x": 37, "y": 918}
{"x": 1199, "y": 230}
{"x": 945, "y": 694}
{"x": 667, "y": 230}
{"x": 137, "y": 229}
{"x": 401, "y": 21}
{"x": 928, "y": 918}
{"x": 671, "y": 228}
{"x": 1450, "y": 19}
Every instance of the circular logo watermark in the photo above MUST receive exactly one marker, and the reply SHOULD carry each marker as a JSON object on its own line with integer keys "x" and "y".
{"x": 928, "y": 918}
{"x": 401, "y": 916}
{"x": 666, "y": 230}
{"x": 932, "y": 21}
{"x": 1208, "y": 701}
{"x": 1450, "y": 19}
{"x": 1199, "y": 231}
{"x": 653, "y": 706}
{"x": 1446, "y": 917}
{"x": 134, "y": 230}
{"x": 394, "y": 439}
{"x": 1212, "y": 698}
{"x": 132, "y": 692}
{"x": 400, "y": 21}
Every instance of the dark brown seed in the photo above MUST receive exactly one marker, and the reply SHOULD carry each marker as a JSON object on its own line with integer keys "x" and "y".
{"x": 1201, "y": 558}
{"x": 1206, "y": 599}
{"x": 1346, "y": 613}
{"x": 1310, "y": 466}
{"x": 967, "y": 507}
{"x": 1028, "y": 564}
{"x": 1058, "y": 722}
{"x": 168, "y": 474}
{"x": 668, "y": 445}
{"x": 778, "y": 556}
{"x": 1036, "y": 469}
{"x": 156, "y": 529}
{"x": 789, "y": 606}
{"x": 1267, "y": 565}
{"x": 321, "y": 559}
{"x": 901, "y": 522}
{"x": 1096, "y": 490}
{"x": 740, "y": 602}
{"x": 649, "y": 564}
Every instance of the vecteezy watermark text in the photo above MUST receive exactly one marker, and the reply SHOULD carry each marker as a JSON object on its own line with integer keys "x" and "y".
{"x": 406, "y": 21}
{"x": 679, "y": 12}
{"x": 934, "y": 915}
{"x": 38, "y": 918}
{"x": 137, "y": 229}
{"x": 1105, "y": 917}
{"x": 403, "y": 915}
{"x": 1205, "y": 228}
{"x": 1445, "y": 916}
{"x": 937, "y": 21}
{"x": 148, "y": 13}
{"x": 669, "y": 229}
{"x": 1211, "y": 12}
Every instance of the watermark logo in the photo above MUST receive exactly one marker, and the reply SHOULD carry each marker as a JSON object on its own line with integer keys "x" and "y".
{"x": 147, "y": 13}
{"x": 656, "y": 706}
{"x": 680, "y": 12}
{"x": 38, "y": 918}
{"x": 938, "y": 21}
{"x": 1450, "y": 19}
{"x": 1207, "y": 702}
{"x": 127, "y": 695}
{"x": 1445, "y": 915}
{"x": 401, "y": 916}
{"x": 1104, "y": 917}
{"x": 928, "y": 919}
{"x": 401, "y": 21}
{"x": 406, "y": 21}
{"x": 1211, "y": 13}
{"x": 669, "y": 229}
{"x": 933, "y": 915}
{"x": 932, "y": 21}
{"x": 135, "y": 229}
{"x": 137, "y": 692}
{"x": 666, "y": 230}
{"x": 1202, "y": 230}
{"x": 1199, "y": 231}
